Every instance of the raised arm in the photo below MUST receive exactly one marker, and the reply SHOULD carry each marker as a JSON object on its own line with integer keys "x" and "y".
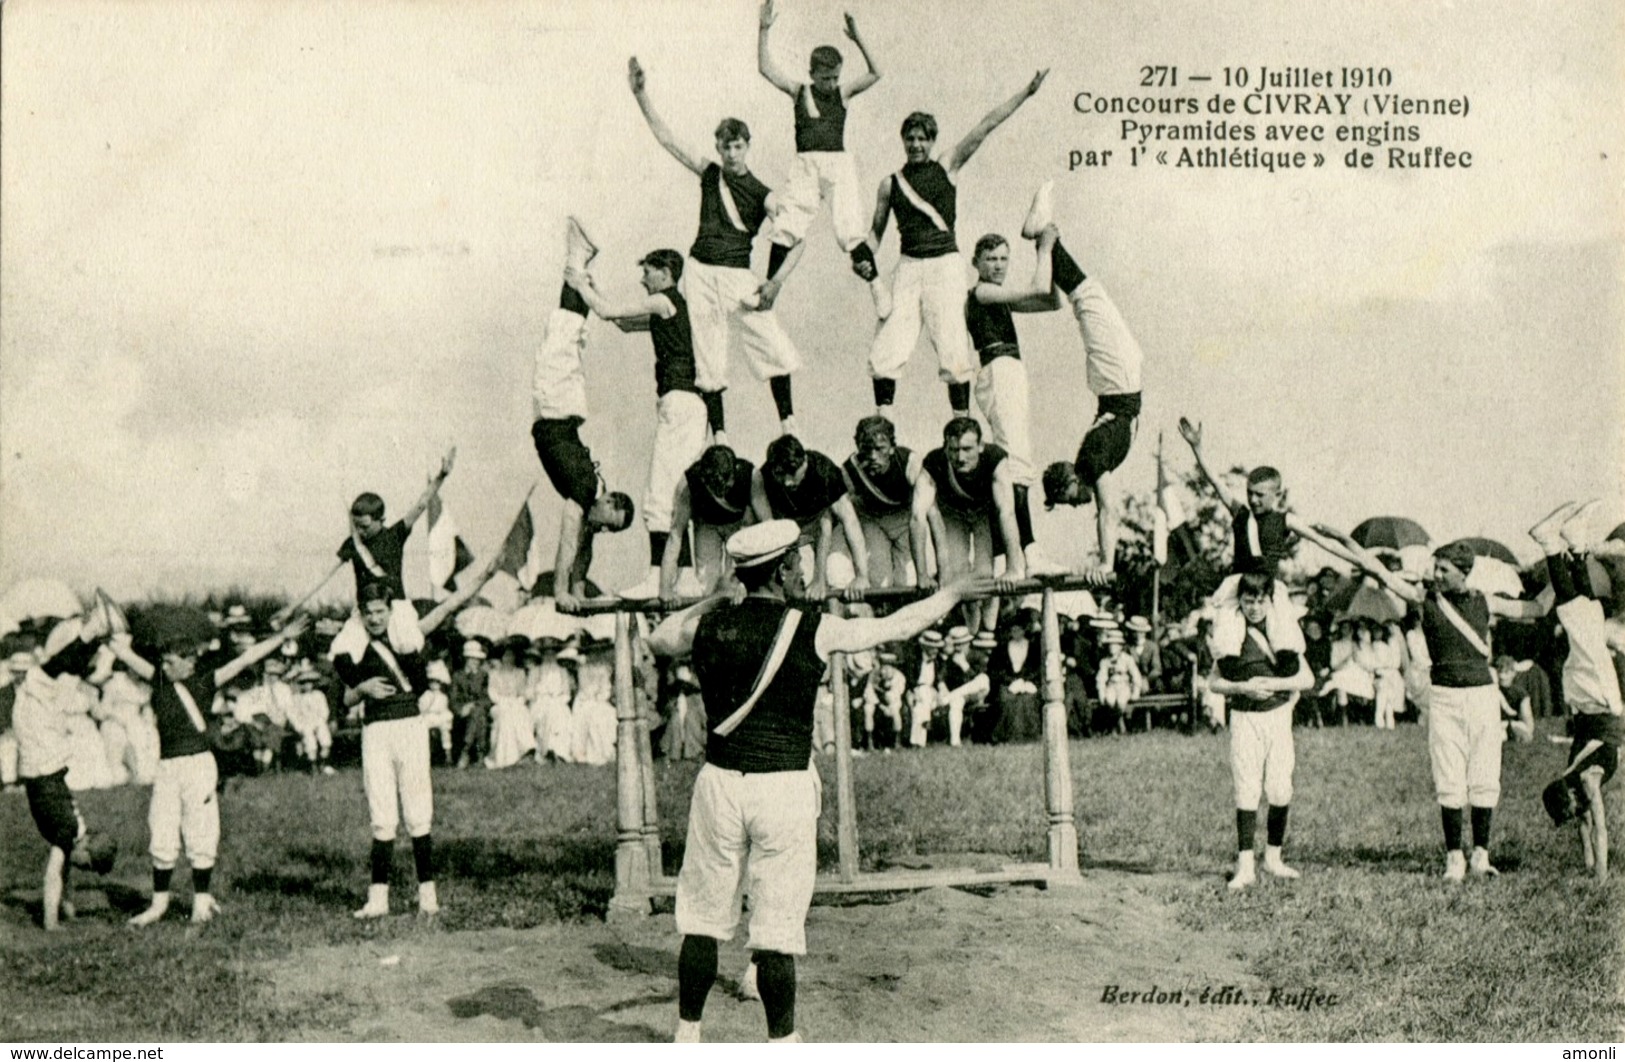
{"x": 432, "y": 489}
{"x": 657, "y": 126}
{"x": 281, "y": 615}
{"x": 775, "y": 74}
{"x": 967, "y": 147}
{"x": 259, "y": 651}
{"x": 1369, "y": 563}
{"x": 628, "y": 306}
{"x": 1306, "y": 530}
{"x": 139, "y": 665}
{"x": 853, "y": 635}
{"x": 1192, "y": 434}
{"x": 1037, "y": 296}
{"x": 428, "y": 624}
{"x": 865, "y": 81}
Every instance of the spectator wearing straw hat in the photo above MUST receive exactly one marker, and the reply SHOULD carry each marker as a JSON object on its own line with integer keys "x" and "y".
{"x": 471, "y": 705}
{"x": 756, "y": 801}
{"x": 961, "y": 683}
{"x": 1119, "y": 681}
{"x": 1145, "y": 651}
{"x": 922, "y": 701}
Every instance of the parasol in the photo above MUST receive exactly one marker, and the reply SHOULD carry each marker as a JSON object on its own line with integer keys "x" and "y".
{"x": 1389, "y": 532}
{"x": 482, "y": 621}
{"x": 1488, "y": 547}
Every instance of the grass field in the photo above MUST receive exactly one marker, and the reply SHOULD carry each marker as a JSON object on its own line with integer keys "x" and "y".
{"x": 1533, "y": 955}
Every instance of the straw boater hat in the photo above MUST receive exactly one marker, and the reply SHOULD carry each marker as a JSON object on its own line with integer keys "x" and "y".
{"x": 474, "y": 649}
{"x": 1104, "y": 621}
{"x": 958, "y": 636}
{"x": 932, "y": 639}
{"x": 236, "y": 616}
{"x": 984, "y": 640}
{"x": 1139, "y": 623}
{"x": 760, "y": 543}
{"x": 1111, "y": 638}
{"x": 437, "y": 672}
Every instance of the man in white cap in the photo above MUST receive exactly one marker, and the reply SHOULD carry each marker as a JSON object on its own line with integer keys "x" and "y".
{"x": 753, "y": 821}
{"x": 1464, "y": 701}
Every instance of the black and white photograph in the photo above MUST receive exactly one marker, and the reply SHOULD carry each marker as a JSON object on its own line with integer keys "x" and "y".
{"x": 822, "y": 521}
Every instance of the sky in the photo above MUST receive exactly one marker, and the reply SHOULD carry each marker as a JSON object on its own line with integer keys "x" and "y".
{"x": 258, "y": 257}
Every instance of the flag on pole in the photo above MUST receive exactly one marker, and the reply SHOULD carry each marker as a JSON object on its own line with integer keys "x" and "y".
{"x": 448, "y": 553}
{"x": 1168, "y": 519}
{"x": 515, "y": 558}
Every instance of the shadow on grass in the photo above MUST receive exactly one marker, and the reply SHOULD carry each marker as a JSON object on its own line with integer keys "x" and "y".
{"x": 486, "y": 859}
{"x": 649, "y": 962}
{"x": 509, "y": 1001}
{"x": 121, "y": 901}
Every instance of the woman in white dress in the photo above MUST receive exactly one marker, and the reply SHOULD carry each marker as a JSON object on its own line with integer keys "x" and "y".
{"x": 594, "y": 711}
{"x": 1388, "y": 658}
{"x": 512, "y": 736}
{"x": 551, "y": 688}
{"x": 1351, "y": 677}
{"x": 87, "y": 756}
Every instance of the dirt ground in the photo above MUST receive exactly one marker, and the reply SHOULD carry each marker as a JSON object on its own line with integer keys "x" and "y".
{"x": 1016, "y": 963}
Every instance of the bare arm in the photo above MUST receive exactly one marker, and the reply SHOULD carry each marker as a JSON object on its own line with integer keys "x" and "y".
{"x": 852, "y": 635}
{"x": 657, "y": 125}
{"x": 821, "y": 545}
{"x": 139, "y": 665}
{"x": 856, "y": 545}
{"x": 259, "y": 651}
{"x": 1516, "y": 609}
{"x": 758, "y": 498}
{"x": 1038, "y": 295}
{"x": 680, "y": 517}
{"x": 433, "y": 488}
{"x": 1004, "y": 499}
{"x": 463, "y": 596}
{"x": 768, "y": 293}
{"x": 674, "y": 635}
{"x": 967, "y": 147}
{"x": 572, "y": 526}
{"x": 633, "y": 306}
{"x": 920, "y": 525}
{"x": 865, "y": 81}
{"x": 1369, "y": 563}
{"x": 1192, "y": 434}
{"x": 776, "y": 75}
{"x": 1305, "y": 530}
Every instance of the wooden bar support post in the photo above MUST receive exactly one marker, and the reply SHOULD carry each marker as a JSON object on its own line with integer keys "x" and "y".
{"x": 1063, "y": 830}
{"x": 632, "y": 894}
{"x": 846, "y": 801}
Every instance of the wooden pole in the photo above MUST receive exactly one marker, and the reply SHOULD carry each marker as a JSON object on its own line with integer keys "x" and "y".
{"x": 1063, "y": 830}
{"x": 631, "y": 896}
{"x": 846, "y": 801}
{"x": 651, "y": 800}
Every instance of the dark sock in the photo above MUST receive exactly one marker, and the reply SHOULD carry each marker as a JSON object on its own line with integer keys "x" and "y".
{"x": 781, "y": 395}
{"x": 201, "y": 878}
{"x": 776, "y": 981}
{"x": 685, "y": 553}
{"x": 1064, "y": 272}
{"x": 1561, "y": 574}
{"x": 423, "y": 857}
{"x": 776, "y": 254}
{"x": 570, "y": 299}
{"x": 696, "y": 973}
{"x": 1481, "y": 826}
{"x": 959, "y": 397}
{"x": 713, "y": 410}
{"x": 657, "y": 547}
{"x": 383, "y": 854}
{"x": 1451, "y": 817}
{"x": 885, "y": 391}
{"x": 1246, "y": 830}
{"x": 1579, "y": 575}
{"x": 161, "y": 877}
{"x": 1275, "y": 825}
{"x": 861, "y": 254}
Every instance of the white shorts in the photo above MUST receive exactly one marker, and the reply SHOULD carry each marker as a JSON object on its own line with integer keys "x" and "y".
{"x": 1262, "y": 757}
{"x": 755, "y": 833}
{"x": 719, "y": 313}
{"x": 815, "y": 176}
{"x": 891, "y": 552}
{"x": 1464, "y": 744}
{"x": 395, "y": 772}
{"x": 1001, "y": 392}
{"x": 558, "y": 388}
{"x": 679, "y": 441}
{"x": 185, "y": 810}
{"x": 1112, "y": 357}
{"x": 928, "y": 291}
{"x": 1588, "y": 673}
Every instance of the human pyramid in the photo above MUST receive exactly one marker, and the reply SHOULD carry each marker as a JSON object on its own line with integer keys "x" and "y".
{"x": 722, "y": 529}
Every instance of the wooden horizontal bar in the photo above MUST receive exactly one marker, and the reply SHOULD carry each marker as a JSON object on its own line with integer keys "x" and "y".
{"x": 1017, "y": 588}
{"x": 915, "y": 880}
